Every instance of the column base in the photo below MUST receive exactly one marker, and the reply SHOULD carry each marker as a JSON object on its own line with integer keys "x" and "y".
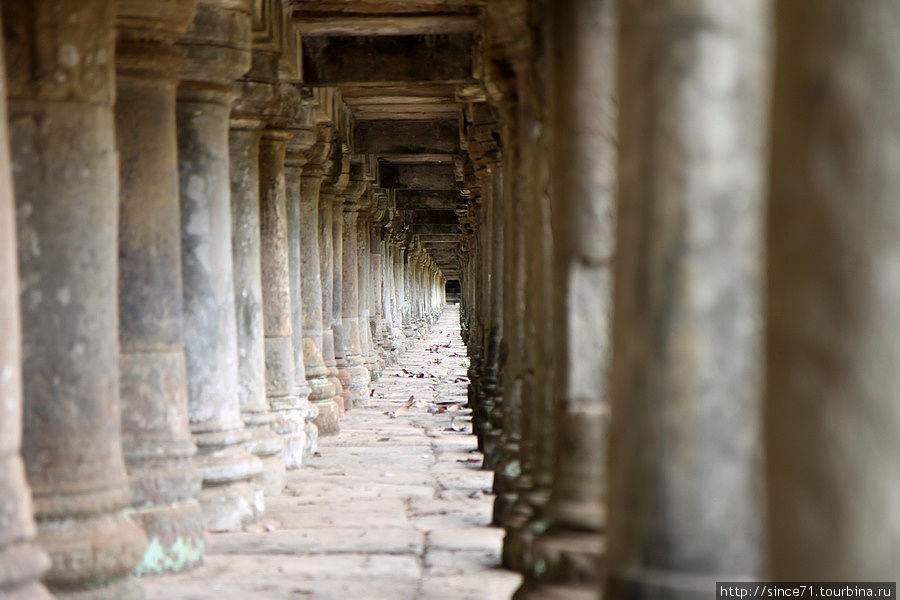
{"x": 273, "y": 476}
{"x": 312, "y": 434}
{"x": 530, "y": 591}
{"x": 22, "y": 566}
{"x": 290, "y": 425}
{"x": 358, "y": 378}
{"x": 174, "y": 536}
{"x": 328, "y": 421}
{"x": 265, "y": 444}
{"x": 129, "y": 589}
{"x": 230, "y": 498}
{"x": 564, "y": 560}
{"x": 338, "y": 397}
{"x": 30, "y": 591}
{"x": 231, "y": 507}
{"x": 93, "y": 558}
{"x": 638, "y": 583}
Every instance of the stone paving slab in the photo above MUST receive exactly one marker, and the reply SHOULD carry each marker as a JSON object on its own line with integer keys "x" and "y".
{"x": 395, "y": 507}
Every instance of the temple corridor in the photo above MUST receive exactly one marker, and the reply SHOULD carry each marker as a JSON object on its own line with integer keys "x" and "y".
{"x": 395, "y": 507}
{"x": 470, "y": 299}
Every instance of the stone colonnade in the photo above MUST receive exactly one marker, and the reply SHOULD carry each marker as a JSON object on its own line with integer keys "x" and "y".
{"x": 163, "y": 363}
{"x": 677, "y": 292}
{"x": 675, "y": 225}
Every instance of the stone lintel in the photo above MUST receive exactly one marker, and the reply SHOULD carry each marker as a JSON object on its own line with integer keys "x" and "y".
{"x": 418, "y": 177}
{"x": 348, "y": 60}
{"x": 309, "y": 24}
{"x": 428, "y": 200}
{"x": 407, "y": 137}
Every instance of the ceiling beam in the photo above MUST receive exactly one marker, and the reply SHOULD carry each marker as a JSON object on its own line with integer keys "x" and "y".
{"x": 428, "y": 200}
{"x": 353, "y": 60}
{"x": 432, "y": 217}
{"x": 435, "y": 229}
{"x": 418, "y": 177}
{"x": 386, "y": 7}
{"x": 346, "y": 25}
{"x": 406, "y": 137}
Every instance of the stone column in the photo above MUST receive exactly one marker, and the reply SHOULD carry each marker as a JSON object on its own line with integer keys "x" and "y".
{"x": 331, "y": 185}
{"x": 520, "y": 375}
{"x": 389, "y": 344}
{"x": 366, "y": 284}
{"x": 831, "y": 412}
{"x": 396, "y": 266}
{"x": 337, "y": 298}
{"x": 22, "y": 562}
{"x": 355, "y": 376}
{"x": 684, "y": 428}
{"x": 156, "y": 436}
{"x": 406, "y": 290}
{"x": 61, "y": 90}
{"x": 300, "y": 142}
{"x": 217, "y": 51}
{"x": 322, "y": 393}
{"x": 254, "y": 96}
{"x": 281, "y": 387}
{"x": 379, "y": 317}
{"x": 565, "y": 561}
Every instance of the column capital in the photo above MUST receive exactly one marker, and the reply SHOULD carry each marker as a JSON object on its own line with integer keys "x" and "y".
{"x": 217, "y": 50}
{"x": 146, "y": 31}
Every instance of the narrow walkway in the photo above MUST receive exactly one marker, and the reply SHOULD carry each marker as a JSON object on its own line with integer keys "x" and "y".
{"x": 396, "y": 507}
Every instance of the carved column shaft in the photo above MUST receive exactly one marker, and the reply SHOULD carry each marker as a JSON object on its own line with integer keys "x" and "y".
{"x": 326, "y": 263}
{"x": 566, "y": 558}
{"x": 686, "y": 366}
{"x": 217, "y": 50}
{"x": 62, "y": 135}
{"x": 254, "y": 98}
{"x": 831, "y": 410}
{"x": 281, "y": 386}
{"x": 22, "y": 562}
{"x": 152, "y": 374}
{"x": 322, "y": 393}
{"x": 300, "y": 142}
{"x": 354, "y": 375}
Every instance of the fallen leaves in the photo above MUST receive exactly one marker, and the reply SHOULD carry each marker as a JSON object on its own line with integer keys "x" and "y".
{"x": 409, "y": 403}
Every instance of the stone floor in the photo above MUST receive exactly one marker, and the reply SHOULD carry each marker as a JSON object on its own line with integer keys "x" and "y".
{"x": 395, "y": 507}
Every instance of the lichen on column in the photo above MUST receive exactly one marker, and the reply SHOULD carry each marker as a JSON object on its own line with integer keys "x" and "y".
{"x": 157, "y": 440}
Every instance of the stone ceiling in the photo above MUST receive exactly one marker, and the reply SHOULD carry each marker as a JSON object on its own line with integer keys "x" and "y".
{"x": 405, "y": 71}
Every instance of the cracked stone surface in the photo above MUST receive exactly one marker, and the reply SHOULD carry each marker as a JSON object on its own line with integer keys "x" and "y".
{"x": 395, "y": 507}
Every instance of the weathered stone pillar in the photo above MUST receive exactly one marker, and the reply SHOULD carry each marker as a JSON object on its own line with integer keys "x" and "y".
{"x": 302, "y": 139}
{"x": 217, "y": 51}
{"x": 332, "y": 185}
{"x": 366, "y": 282}
{"x": 322, "y": 393}
{"x": 254, "y": 97}
{"x": 396, "y": 282}
{"x": 833, "y": 318}
{"x": 406, "y": 289}
{"x": 156, "y": 437}
{"x": 22, "y": 562}
{"x": 337, "y": 298}
{"x": 686, "y": 324}
{"x": 565, "y": 559}
{"x": 354, "y": 376}
{"x": 379, "y": 315}
{"x": 281, "y": 387}
{"x": 389, "y": 343}
{"x": 61, "y": 89}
